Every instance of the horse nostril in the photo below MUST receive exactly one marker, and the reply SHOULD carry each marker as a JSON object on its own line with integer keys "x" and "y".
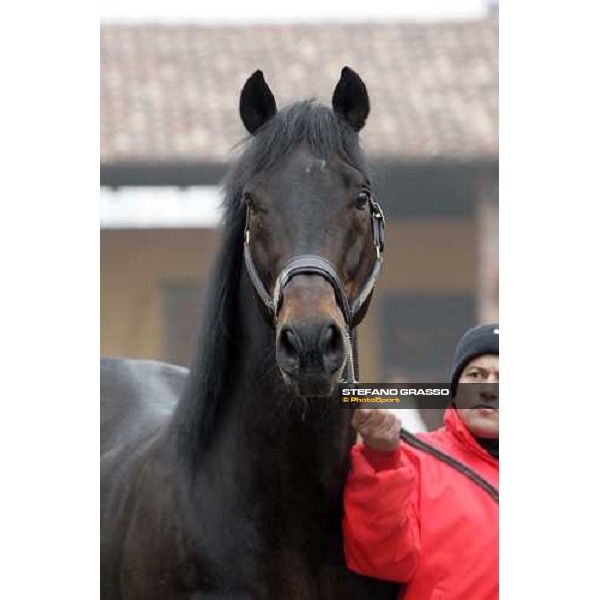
{"x": 288, "y": 348}
{"x": 332, "y": 347}
{"x": 289, "y": 341}
{"x": 310, "y": 347}
{"x": 329, "y": 339}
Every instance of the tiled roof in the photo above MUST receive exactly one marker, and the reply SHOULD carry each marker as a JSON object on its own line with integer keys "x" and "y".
{"x": 170, "y": 92}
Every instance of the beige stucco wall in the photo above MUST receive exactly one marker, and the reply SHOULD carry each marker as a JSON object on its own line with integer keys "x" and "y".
{"x": 134, "y": 263}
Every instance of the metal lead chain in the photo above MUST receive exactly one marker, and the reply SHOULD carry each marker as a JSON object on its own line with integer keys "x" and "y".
{"x": 350, "y": 373}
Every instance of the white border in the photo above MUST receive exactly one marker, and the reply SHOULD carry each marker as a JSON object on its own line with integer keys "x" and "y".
{"x": 549, "y": 301}
{"x": 549, "y": 99}
{"x": 49, "y": 139}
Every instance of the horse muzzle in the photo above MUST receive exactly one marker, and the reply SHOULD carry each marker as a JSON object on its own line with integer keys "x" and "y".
{"x": 311, "y": 356}
{"x": 311, "y": 349}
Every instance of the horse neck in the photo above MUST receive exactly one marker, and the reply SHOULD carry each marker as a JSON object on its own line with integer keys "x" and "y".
{"x": 281, "y": 448}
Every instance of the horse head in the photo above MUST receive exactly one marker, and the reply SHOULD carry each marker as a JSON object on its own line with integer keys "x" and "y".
{"x": 314, "y": 234}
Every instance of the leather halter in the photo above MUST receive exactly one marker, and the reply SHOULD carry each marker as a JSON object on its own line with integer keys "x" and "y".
{"x": 313, "y": 264}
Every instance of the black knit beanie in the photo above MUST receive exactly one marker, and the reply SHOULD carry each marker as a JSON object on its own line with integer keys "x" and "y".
{"x": 483, "y": 339}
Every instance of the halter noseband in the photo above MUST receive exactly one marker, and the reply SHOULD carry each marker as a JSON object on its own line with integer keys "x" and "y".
{"x": 313, "y": 264}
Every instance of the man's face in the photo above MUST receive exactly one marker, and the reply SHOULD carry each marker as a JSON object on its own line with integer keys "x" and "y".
{"x": 478, "y": 405}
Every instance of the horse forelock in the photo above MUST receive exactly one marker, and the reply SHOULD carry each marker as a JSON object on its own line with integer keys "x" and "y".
{"x": 303, "y": 123}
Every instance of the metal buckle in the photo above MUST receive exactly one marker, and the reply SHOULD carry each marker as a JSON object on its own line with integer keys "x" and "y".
{"x": 378, "y": 225}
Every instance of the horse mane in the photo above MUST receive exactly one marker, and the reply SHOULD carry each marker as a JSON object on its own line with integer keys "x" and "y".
{"x": 205, "y": 400}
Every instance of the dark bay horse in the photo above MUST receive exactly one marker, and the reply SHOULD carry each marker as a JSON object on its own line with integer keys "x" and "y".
{"x": 226, "y": 482}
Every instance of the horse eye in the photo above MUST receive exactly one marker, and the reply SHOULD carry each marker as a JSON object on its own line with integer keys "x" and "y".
{"x": 362, "y": 198}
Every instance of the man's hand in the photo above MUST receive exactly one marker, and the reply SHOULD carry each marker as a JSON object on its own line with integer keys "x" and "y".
{"x": 379, "y": 429}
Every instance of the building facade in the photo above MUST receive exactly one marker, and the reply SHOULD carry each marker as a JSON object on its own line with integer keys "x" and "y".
{"x": 169, "y": 124}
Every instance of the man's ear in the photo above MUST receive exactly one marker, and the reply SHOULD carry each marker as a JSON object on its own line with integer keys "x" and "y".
{"x": 350, "y": 99}
{"x": 257, "y": 104}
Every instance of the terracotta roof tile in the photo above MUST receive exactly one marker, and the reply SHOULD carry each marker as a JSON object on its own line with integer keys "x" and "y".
{"x": 170, "y": 92}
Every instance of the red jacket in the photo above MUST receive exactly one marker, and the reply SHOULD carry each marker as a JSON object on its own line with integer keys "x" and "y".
{"x": 408, "y": 517}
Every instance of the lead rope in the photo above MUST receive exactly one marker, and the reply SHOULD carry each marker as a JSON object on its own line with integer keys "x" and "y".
{"x": 415, "y": 442}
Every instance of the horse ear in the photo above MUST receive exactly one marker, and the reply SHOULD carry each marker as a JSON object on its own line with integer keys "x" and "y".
{"x": 350, "y": 99}
{"x": 257, "y": 104}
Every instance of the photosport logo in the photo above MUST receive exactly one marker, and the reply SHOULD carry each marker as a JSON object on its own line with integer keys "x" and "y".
{"x": 422, "y": 395}
{"x": 394, "y": 395}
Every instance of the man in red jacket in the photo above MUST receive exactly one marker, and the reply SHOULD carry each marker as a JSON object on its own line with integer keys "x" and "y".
{"x": 412, "y": 518}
